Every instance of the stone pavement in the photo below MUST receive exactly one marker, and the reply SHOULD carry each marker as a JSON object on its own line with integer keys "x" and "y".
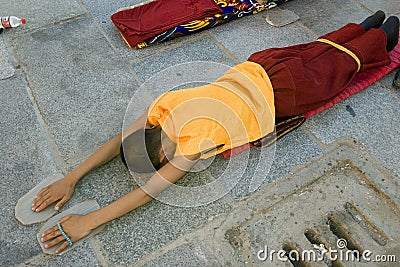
{"x": 72, "y": 77}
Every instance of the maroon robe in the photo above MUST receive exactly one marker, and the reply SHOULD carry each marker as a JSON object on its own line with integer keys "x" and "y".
{"x": 145, "y": 21}
{"x": 307, "y": 76}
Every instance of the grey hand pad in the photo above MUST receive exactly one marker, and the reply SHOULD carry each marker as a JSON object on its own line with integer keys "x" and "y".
{"x": 23, "y": 209}
{"x": 280, "y": 17}
{"x": 82, "y": 208}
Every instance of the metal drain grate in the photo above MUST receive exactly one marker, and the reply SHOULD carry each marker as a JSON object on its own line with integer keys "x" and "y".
{"x": 342, "y": 211}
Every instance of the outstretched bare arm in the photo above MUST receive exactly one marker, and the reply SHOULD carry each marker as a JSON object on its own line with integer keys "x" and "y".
{"x": 63, "y": 189}
{"x": 77, "y": 226}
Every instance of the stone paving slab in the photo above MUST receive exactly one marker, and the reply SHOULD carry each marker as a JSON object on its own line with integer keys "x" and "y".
{"x": 251, "y": 34}
{"x": 82, "y": 100}
{"x": 371, "y": 116}
{"x": 390, "y": 7}
{"x": 150, "y": 227}
{"x": 26, "y": 160}
{"x": 238, "y": 172}
{"x": 40, "y": 13}
{"x": 7, "y": 69}
{"x": 202, "y": 50}
{"x": 173, "y": 77}
{"x": 102, "y": 12}
{"x": 293, "y": 150}
{"x": 83, "y": 255}
{"x": 387, "y": 82}
{"x": 105, "y": 184}
{"x": 326, "y": 16}
{"x": 188, "y": 255}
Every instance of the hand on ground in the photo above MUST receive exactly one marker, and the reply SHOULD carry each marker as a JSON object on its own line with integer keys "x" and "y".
{"x": 75, "y": 226}
{"x": 61, "y": 190}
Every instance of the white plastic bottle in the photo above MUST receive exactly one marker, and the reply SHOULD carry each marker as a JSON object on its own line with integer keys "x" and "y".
{"x": 11, "y": 22}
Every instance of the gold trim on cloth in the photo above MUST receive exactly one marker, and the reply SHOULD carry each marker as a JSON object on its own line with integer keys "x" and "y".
{"x": 344, "y": 49}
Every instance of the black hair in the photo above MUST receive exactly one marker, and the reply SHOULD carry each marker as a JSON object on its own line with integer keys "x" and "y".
{"x": 140, "y": 151}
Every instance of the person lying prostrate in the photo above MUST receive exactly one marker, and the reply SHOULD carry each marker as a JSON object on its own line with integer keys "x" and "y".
{"x": 183, "y": 126}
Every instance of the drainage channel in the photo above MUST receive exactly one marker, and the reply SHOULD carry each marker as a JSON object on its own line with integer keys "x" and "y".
{"x": 340, "y": 219}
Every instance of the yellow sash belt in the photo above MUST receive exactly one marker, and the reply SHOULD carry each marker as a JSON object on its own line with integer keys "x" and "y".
{"x": 344, "y": 49}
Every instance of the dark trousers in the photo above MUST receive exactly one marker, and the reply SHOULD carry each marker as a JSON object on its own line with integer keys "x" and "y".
{"x": 307, "y": 76}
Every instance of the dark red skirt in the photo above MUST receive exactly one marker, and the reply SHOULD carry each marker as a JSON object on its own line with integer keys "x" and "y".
{"x": 307, "y": 76}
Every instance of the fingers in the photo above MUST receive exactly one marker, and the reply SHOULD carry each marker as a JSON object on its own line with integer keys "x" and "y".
{"x": 61, "y": 203}
{"x": 54, "y": 235}
{"x": 50, "y": 234}
{"x": 62, "y": 247}
{"x": 55, "y": 241}
{"x": 43, "y": 203}
{"x": 39, "y": 202}
{"x": 43, "y": 199}
{"x": 39, "y": 197}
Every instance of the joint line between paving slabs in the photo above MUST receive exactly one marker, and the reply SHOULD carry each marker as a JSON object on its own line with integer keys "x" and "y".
{"x": 101, "y": 254}
{"x": 389, "y": 90}
{"x": 194, "y": 234}
{"x": 59, "y": 161}
{"x": 314, "y": 138}
{"x": 224, "y": 49}
{"x": 110, "y": 42}
{"x": 310, "y": 31}
{"x": 357, "y": 3}
{"x": 90, "y": 14}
